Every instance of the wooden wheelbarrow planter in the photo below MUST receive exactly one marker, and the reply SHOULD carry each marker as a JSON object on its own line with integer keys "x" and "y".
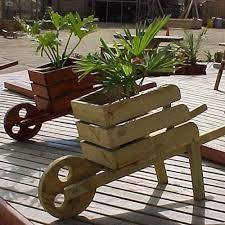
{"x": 119, "y": 137}
{"x": 52, "y": 90}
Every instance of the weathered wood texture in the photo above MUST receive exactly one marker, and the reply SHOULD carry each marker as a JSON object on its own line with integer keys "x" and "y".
{"x": 123, "y": 133}
{"x": 136, "y": 199}
{"x": 9, "y": 216}
{"x": 118, "y": 111}
{"x": 156, "y": 148}
{"x": 22, "y": 88}
{"x": 53, "y": 90}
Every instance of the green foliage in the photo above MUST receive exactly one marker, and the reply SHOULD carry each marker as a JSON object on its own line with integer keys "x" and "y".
{"x": 143, "y": 38}
{"x": 209, "y": 56}
{"x": 191, "y": 45}
{"x": 50, "y": 41}
{"x": 121, "y": 66}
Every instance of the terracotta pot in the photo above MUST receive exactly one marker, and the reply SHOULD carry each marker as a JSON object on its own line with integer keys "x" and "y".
{"x": 53, "y": 89}
{"x": 191, "y": 69}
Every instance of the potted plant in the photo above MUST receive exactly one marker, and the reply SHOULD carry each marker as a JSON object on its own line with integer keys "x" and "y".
{"x": 190, "y": 49}
{"x": 121, "y": 100}
{"x": 55, "y": 84}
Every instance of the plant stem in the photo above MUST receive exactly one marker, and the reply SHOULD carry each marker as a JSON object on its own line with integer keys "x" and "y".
{"x": 67, "y": 44}
{"x": 67, "y": 57}
{"x": 52, "y": 53}
{"x": 141, "y": 82}
{"x": 57, "y": 48}
{"x": 49, "y": 56}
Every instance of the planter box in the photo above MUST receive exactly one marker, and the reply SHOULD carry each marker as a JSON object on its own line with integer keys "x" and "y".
{"x": 53, "y": 89}
{"x": 108, "y": 125}
{"x": 191, "y": 69}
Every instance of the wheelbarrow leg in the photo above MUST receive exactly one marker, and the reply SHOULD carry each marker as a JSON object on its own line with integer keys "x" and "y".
{"x": 161, "y": 172}
{"x": 196, "y": 171}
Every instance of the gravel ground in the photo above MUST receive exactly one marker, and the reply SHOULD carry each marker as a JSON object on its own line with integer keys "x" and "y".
{"x": 23, "y": 49}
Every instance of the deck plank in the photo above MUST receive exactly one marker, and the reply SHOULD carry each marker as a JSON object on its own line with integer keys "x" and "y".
{"x": 136, "y": 199}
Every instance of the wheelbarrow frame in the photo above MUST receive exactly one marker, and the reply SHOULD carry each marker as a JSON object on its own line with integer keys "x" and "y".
{"x": 85, "y": 175}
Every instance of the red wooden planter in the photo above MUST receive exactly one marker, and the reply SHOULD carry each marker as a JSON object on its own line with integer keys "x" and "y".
{"x": 54, "y": 89}
{"x": 191, "y": 69}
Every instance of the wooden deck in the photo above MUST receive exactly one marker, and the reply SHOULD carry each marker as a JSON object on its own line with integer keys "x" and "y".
{"x": 132, "y": 200}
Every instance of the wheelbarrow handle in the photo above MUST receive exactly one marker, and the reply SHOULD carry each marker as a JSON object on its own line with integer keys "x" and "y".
{"x": 213, "y": 134}
{"x": 197, "y": 111}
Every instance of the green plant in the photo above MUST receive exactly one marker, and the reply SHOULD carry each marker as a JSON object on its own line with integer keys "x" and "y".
{"x": 120, "y": 67}
{"x": 190, "y": 47}
{"x": 49, "y": 42}
{"x": 209, "y": 56}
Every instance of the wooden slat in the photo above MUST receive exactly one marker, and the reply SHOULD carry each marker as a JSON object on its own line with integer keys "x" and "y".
{"x": 6, "y": 65}
{"x": 160, "y": 145}
{"x": 106, "y": 115}
{"x": 20, "y": 88}
{"x": 126, "y": 132}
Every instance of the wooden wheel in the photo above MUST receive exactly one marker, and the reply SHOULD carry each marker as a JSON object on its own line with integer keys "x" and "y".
{"x": 13, "y": 118}
{"x": 52, "y": 184}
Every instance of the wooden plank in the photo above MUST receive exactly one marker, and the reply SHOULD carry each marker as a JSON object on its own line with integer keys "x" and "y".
{"x": 130, "y": 204}
{"x": 94, "y": 207}
{"x": 20, "y": 88}
{"x": 134, "y": 129}
{"x": 173, "y": 202}
{"x": 137, "y": 128}
{"x": 161, "y": 195}
{"x": 6, "y": 65}
{"x": 156, "y": 146}
{"x": 44, "y": 158}
{"x": 20, "y": 166}
{"x": 118, "y": 111}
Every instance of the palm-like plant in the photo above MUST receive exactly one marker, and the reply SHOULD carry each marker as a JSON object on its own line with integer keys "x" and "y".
{"x": 120, "y": 67}
{"x": 191, "y": 45}
{"x": 49, "y": 42}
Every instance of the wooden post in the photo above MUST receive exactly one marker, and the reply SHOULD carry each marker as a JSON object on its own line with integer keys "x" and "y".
{"x": 220, "y": 73}
{"x": 161, "y": 173}
{"x": 196, "y": 171}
